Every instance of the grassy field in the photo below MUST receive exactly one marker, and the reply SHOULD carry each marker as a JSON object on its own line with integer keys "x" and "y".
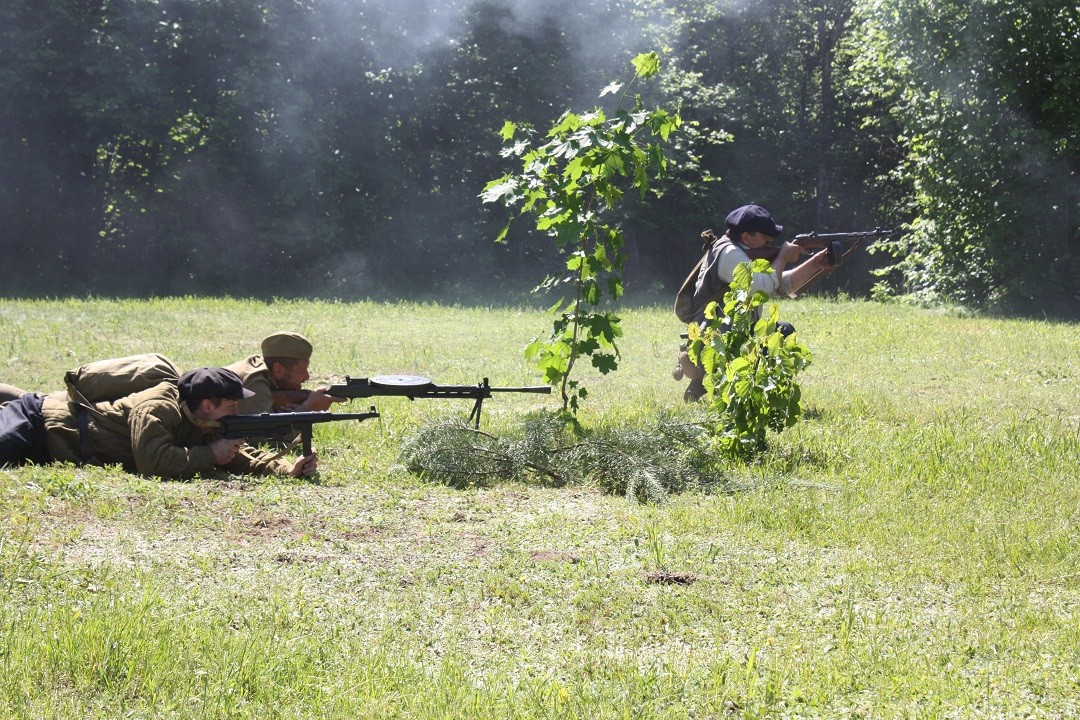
{"x": 910, "y": 550}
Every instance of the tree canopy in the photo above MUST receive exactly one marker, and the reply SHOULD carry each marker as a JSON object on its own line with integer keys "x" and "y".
{"x": 338, "y": 148}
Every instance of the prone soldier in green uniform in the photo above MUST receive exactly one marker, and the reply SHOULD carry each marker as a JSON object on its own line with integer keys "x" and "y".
{"x": 165, "y": 431}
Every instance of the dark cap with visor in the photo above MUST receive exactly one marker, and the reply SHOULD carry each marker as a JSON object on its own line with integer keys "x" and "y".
{"x": 211, "y": 382}
{"x": 752, "y": 218}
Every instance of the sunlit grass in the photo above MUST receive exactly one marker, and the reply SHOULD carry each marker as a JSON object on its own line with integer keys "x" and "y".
{"x": 908, "y": 550}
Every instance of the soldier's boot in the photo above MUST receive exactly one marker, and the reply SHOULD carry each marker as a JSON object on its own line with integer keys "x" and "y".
{"x": 694, "y": 391}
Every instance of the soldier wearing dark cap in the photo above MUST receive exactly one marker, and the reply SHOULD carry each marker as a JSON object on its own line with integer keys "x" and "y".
{"x": 165, "y": 431}
{"x": 283, "y": 365}
{"x": 747, "y": 227}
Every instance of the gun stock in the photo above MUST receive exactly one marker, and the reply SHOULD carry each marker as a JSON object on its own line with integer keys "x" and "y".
{"x": 285, "y": 398}
{"x": 284, "y": 426}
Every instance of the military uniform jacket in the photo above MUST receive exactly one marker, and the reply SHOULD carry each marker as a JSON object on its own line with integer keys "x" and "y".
{"x": 146, "y": 433}
{"x": 255, "y": 376}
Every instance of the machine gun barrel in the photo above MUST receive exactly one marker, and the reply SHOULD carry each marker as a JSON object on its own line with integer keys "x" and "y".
{"x": 415, "y": 387}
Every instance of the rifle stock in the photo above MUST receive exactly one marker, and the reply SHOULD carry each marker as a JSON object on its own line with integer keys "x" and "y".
{"x": 283, "y": 398}
{"x": 284, "y": 426}
{"x": 412, "y": 387}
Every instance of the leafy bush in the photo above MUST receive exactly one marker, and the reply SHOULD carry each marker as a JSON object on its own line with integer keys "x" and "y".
{"x": 750, "y": 367}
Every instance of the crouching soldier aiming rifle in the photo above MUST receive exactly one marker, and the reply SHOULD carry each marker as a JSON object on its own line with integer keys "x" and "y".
{"x": 749, "y": 231}
{"x": 412, "y": 387}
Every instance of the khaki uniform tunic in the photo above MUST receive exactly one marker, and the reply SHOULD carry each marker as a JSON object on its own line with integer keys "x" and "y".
{"x": 146, "y": 433}
{"x": 255, "y": 376}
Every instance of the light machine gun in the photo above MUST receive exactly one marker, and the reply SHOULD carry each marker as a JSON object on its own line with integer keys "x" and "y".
{"x": 413, "y": 387}
{"x": 284, "y": 426}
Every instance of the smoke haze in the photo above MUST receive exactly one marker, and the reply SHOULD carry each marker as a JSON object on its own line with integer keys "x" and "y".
{"x": 338, "y": 147}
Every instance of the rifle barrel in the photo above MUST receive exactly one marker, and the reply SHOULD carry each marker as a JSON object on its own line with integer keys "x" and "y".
{"x": 362, "y": 387}
{"x": 293, "y": 418}
{"x": 827, "y": 237}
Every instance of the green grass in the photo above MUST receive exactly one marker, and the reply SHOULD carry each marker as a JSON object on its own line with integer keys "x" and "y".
{"x": 909, "y": 550}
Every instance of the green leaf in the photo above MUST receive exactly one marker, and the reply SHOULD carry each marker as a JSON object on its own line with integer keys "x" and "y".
{"x": 614, "y": 163}
{"x": 711, "y": 361}
{"x": 606, "y": 326}
{"x": 738, "y": 365}
{"x": 501, "y": 190}
{"x": 552, "y": 375}
{"x": 605, "y": 363}
{"x": 611, "y": 89}
{"x": 588, "y": 346}
{"x": 508, "y": 130}
{"x": 742, "y": 277}
{"x": 575, "y": 168}
{"x": 568, "y": 123}
{"x": 532, "y": 350}
{"x": 646, "y": 64}
{"x": 590, "y": 292}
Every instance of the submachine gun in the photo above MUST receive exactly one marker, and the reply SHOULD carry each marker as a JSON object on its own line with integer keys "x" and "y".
{"x": 413, "y": 387}
{"x": 284, "y": 426}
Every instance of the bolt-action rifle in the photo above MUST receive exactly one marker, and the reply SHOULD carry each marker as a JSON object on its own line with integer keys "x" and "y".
{"x": 411, "y": 386}
{"x": 284, "y": 426}
{"x": 832, "y": 244}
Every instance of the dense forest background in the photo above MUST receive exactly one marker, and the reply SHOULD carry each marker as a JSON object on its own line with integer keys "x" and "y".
{"x": 337, "y": 148}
